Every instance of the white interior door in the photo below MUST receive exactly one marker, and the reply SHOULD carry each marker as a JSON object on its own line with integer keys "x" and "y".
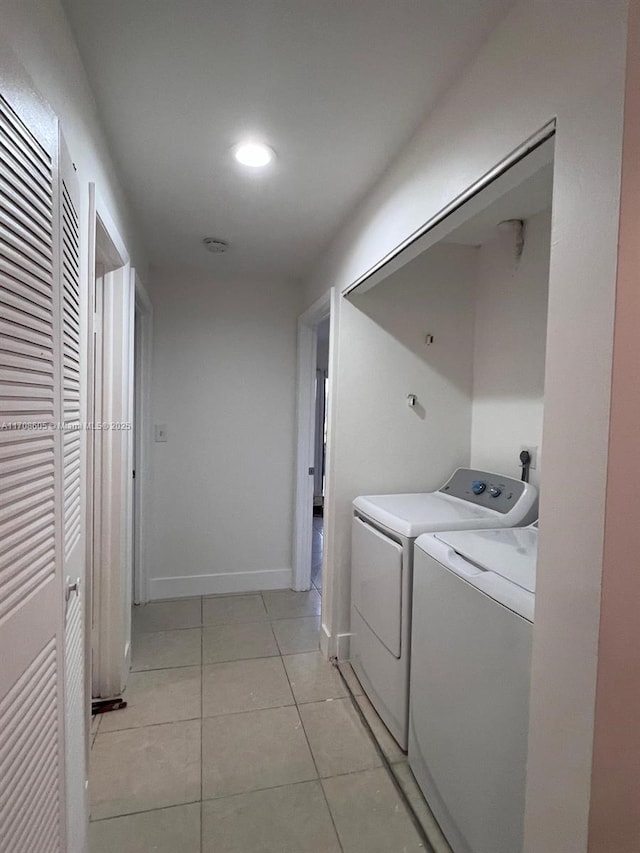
{"x": 73, "y": 371}
{"x": 32, "y": 793}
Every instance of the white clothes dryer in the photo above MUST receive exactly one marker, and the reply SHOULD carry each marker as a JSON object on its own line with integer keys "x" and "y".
{"x": 470, "y": 674}
{"x": 383, "y": 532}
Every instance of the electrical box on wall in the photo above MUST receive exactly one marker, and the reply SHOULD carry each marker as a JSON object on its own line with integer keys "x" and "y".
{"x": 532, "y": 450}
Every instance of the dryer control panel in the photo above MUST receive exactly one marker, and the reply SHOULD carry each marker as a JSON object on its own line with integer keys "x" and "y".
{"x": 485, "y": 489}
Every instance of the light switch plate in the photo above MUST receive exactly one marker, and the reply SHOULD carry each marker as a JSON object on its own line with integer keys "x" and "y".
{"x": 160, "y": 432}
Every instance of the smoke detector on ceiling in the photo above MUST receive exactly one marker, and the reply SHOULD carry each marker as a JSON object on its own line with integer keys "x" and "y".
{"x": 216, "y": 247}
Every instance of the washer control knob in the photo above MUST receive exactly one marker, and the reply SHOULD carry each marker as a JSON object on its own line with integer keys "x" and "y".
{"x": 478, "y": 487}
{"x": 495, "y": 491}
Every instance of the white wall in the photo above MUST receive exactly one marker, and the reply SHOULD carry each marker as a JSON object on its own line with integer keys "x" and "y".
{"x": 224, "y": 384}
{"x": 546, "y": 60}
{"x": 509, "y": 351}
{"x": 395, "y": 448}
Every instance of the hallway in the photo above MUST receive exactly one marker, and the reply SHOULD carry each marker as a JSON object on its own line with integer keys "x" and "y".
{"x": 239, "y": 737}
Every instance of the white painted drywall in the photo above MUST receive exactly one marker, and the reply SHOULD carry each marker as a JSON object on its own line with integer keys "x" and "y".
{"x": 380, "y": 444}
{"x": 224, "y": 366}
{"x": 509, "y": 351}
{"x": 545, "y": 60}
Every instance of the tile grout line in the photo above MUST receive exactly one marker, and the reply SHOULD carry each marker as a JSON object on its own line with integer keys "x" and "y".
{"x": 204, "y": 716}
{"x": 386, "y": 764}
{"x": 313, "y": 758}
{"x": 236, "y": 794}
{"x": 269, "y": 619}
{"x": 273, "y": 633}
{"x": 146, "y": 811}
{"x": 165, "y": 668}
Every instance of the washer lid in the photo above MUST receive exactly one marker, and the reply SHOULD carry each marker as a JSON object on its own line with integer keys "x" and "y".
{"x": 510, "y": 552}
{"x": 413, "y": 514}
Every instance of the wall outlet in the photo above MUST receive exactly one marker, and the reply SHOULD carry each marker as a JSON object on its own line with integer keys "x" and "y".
{"x": 533, "y": 453}
{"x": 160, "y": 432}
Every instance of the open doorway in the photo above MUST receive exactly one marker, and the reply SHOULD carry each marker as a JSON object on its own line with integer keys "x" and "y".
{"x": 320, "y": 450}
{"x": 314, "y": 336}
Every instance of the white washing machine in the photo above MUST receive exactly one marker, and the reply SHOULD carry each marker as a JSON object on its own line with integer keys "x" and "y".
{"x": 470, "y": 673}
{"x": 384, "y": 530}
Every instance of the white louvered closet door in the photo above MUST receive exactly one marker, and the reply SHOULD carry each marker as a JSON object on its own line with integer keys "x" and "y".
{"x": 76, "y": 703}
{"x": 31, "y": 629}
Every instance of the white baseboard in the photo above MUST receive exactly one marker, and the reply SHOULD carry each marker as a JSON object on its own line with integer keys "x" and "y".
{"x": 336, "y": 646}
{"x": 227, "y": 583}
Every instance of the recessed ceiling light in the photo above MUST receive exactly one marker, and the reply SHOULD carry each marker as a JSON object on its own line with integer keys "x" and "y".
{"x": 253, "y": 154}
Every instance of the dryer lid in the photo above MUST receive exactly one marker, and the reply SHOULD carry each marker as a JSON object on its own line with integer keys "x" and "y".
{"x": 413, "y": 514}
{"x": 510, "y": 552}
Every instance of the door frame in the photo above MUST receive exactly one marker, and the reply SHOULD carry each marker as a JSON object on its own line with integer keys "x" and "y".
{"x": 306, "y": 421}
{"x": 143, "y": 344}
{"x": 109, "y": 510}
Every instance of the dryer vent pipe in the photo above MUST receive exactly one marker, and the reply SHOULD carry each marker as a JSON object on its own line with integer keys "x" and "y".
{"x": 515, "y": 228}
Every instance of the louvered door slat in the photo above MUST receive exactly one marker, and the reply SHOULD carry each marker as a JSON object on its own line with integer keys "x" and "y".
{"x": 72, "y": 389}
{"x": 34, "y": 224}
{"x": 28, "y": 390}
{"x": 20, "y": 255}
{"x": 22, "y": 161}
{"x": 71, "y": 308}
{"x": 24, "y": 450}
{"x": 31, "y": 759}
{"x": 24, "y": 297}
{"x": 15, "y": 487}
{"x": 71, "y": 319}
{"x": 71, "y": 360}
{"x": 25, "y": 142}
{"x": 23, "y": 191}
{"x": 25, "y": 504}
{"x": 40, "y": 565}
{"x": 17, "y": 204}
{"x": 31, "y": 738}
{"x": 22, "y": 325}
{"x": 34, "y": 526}
{"x": 11, "y": 375}
{"x": 25, "y": 361}
{"x": 22, "y": 278}
{"x": 18, "y": 727}
{"x": 25, "y": 240}
{"x": 27, "y": 409}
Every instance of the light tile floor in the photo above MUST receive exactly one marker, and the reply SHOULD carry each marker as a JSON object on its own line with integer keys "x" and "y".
{"x": 239, "y": 737}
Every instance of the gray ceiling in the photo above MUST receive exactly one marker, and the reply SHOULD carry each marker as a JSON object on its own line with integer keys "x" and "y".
{"x": 337, "y": 87}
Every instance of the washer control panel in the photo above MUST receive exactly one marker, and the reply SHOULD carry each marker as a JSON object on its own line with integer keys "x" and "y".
{"x": 483, "y": 488}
